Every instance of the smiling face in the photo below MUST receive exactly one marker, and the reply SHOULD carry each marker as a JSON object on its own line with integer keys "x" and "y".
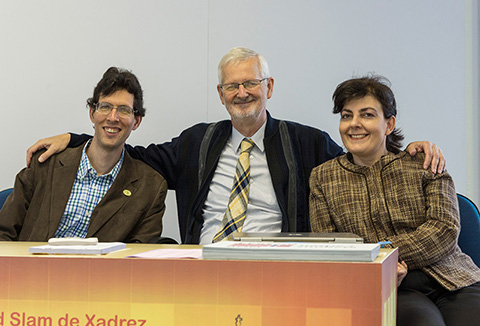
{"x": 112, "y": 130}
{"x": 246, "y": 105}
{"x": 364, "y": 130}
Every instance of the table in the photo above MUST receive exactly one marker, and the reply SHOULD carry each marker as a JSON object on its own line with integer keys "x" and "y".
{"x": 112, "y": 290}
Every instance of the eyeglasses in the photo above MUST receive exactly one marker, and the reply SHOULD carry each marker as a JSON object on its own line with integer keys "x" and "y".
{"x": 122, "y": 110}
{"x": 249, "y": 85}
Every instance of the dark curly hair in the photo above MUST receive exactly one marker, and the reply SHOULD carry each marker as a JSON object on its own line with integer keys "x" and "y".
{"x": 116, "y": 79}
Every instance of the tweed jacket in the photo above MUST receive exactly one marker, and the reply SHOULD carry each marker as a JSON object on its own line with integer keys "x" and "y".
{"x": 188, "y": 163}
{"x": 395, "y": 200}
{"x": 131, "y": 210}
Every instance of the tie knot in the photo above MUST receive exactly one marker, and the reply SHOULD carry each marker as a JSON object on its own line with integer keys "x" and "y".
{"x": 246, "y": 145}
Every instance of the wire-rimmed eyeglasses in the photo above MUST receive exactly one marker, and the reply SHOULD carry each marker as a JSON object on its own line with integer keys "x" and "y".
{"x": 248, "y": 85}
{"x": 122, "y": 110}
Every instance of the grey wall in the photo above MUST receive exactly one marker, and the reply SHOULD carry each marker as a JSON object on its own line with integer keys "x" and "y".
{"x": 54, "y": 51}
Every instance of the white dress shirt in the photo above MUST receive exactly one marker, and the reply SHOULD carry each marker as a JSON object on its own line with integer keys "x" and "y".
{"x": 263, "y": 212}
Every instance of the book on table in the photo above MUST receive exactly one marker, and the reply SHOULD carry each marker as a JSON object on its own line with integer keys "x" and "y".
{"x": 365, "y": 252}
{"x": 88, "y": 249}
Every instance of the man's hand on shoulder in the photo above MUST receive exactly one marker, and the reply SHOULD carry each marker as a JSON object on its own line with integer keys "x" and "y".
{"x": 53, "y": 145}
{"x": 433, "y": 155}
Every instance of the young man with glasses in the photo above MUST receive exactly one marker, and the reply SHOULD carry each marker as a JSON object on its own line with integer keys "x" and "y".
{"x": 200, "y": 164}
{"x": 94, "y": 190}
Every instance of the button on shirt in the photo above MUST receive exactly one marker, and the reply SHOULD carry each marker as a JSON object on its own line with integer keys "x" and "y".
{"x": 87, "y": 191}
{"x": 263, "y": 212}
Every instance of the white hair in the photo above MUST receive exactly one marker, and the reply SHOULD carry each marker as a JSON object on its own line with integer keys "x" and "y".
{"x": 238, "y": 54}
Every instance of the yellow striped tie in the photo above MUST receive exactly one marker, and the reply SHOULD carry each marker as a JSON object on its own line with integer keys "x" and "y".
{"x": 237, "y": 204}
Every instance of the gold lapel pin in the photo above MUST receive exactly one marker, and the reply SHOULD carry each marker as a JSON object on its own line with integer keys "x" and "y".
{"x": 127, "y": 192}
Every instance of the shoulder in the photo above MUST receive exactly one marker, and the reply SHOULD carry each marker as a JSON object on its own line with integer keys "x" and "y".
{"x": 143, "y": 169}
{"x": 34, "y": 162}
{"x": 413, "y": 161}
{"x": 408, "y": 163}
{"x": 193, "y": 136}
{"x": 201, "y": 128}
{"x": 308, "y": 138}
{"x": 414, "y": 165}
{"x": 327, "y": 168}
{"x": 69, "y": 155}
{"x": 302, "y": 129}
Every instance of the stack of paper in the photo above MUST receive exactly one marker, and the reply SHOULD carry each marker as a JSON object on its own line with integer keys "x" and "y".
{"x": 291, "y": 251}
{"x": 96, "y": 249}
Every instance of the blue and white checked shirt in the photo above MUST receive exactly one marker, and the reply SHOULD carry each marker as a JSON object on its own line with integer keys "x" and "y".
{"x": 87, "y": 191}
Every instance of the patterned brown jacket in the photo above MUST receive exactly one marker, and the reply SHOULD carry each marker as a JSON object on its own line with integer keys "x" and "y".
{"x": 395, "y": 200}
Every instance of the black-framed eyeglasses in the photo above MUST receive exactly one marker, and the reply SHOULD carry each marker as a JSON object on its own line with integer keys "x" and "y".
{"x": 122, "y": 110}
{"x": 249, "y": 85}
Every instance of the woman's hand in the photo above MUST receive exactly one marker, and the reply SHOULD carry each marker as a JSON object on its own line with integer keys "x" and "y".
{"x": 402, "y": 270}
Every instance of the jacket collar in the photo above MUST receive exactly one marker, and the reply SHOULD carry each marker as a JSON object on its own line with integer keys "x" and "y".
{"x": 346, "y": 161}
{"x": 271, "y": 127}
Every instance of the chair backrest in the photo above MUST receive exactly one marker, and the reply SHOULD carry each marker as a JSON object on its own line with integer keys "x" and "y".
{"x": 469, "y": 238}
{"x": 3, "y": 196}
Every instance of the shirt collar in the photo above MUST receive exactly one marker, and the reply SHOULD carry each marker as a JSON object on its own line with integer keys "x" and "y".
{"x": 257, "y": 138}
{"x": 86, "y": 167}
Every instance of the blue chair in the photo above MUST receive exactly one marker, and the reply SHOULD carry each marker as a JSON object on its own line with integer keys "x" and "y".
{"x": 3, "y": 196}
{"x": 469, "y": 238}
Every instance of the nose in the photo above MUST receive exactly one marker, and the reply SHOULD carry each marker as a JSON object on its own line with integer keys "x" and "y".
{"x": 355, "y": 122}
{"x": 113, "y": 115}
{"x": 242, "y": 91}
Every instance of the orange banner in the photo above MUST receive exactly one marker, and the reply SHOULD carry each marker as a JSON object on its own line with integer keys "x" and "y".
{"x": 91, "y": 291}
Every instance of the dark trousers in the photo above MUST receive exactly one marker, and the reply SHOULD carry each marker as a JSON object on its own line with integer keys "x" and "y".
{"x": 423, "y": 301}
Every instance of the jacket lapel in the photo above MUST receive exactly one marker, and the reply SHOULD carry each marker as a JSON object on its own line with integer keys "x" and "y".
{"x": 215, "y": 149}
{"x": 65, "y": 170}
{"x": 121, "y": 191}
{"x": 277, "y": 166}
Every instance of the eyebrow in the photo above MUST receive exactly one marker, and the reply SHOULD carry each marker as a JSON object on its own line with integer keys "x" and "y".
{"x": 361, "y": 110}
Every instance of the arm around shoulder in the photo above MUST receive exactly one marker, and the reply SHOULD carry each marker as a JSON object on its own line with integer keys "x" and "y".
{"x": 52, "y": 145}
{"x": 433, "y": 155}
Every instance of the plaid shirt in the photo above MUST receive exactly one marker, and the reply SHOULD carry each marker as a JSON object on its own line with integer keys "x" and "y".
{"x": 395, "y": 200}
{"x": 87, "y": 191}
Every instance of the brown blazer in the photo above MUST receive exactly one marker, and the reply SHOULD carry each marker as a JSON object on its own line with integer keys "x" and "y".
{"x": 395, "y": 200}
{"x": 131, "y": 210}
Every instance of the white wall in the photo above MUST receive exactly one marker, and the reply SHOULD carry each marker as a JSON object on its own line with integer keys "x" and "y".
{"x": 53, "y": 52}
